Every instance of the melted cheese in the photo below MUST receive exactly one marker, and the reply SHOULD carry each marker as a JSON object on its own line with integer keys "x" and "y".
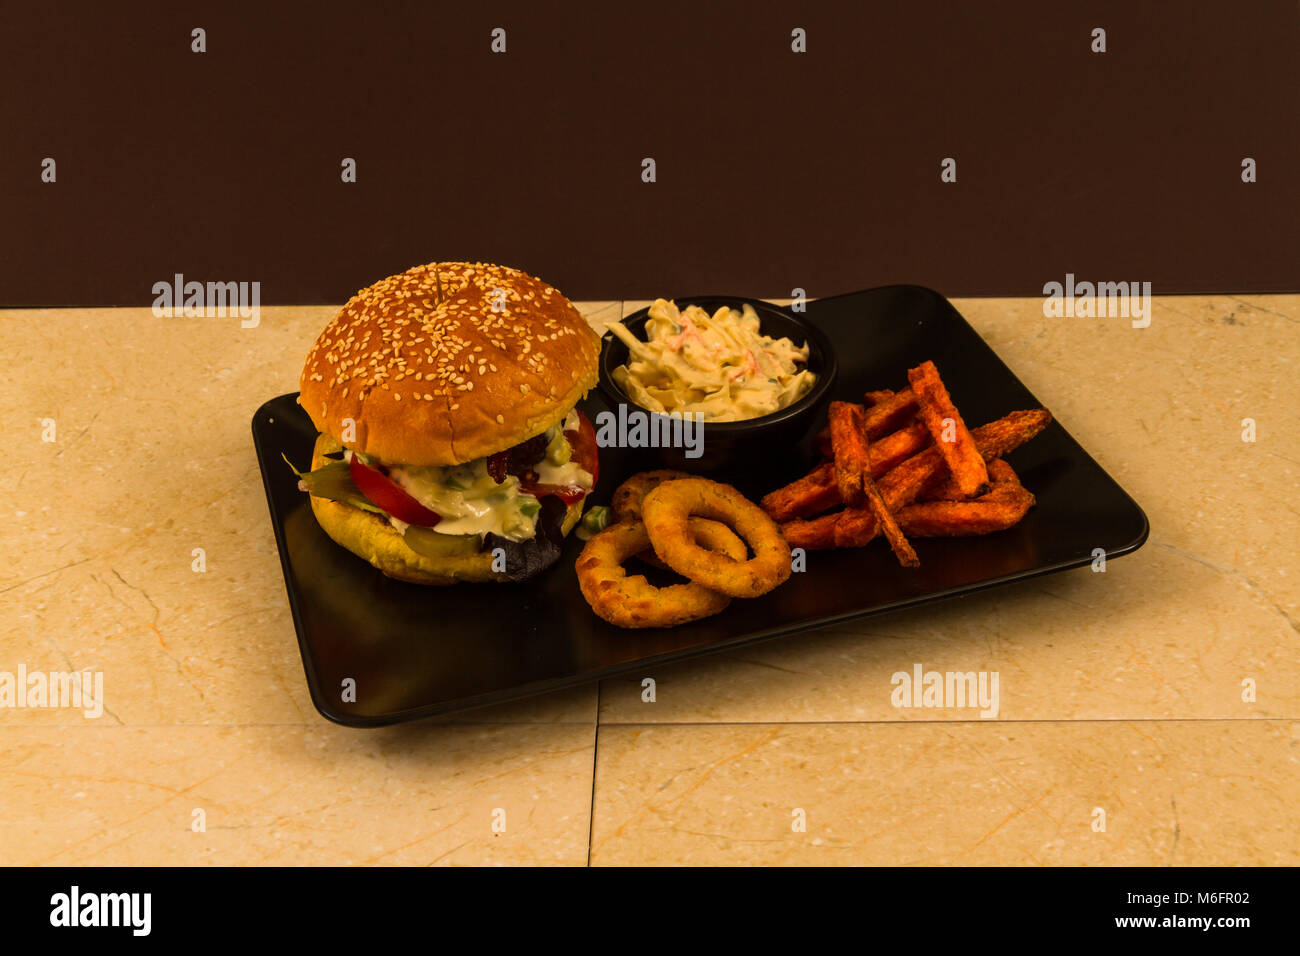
{"x": 469, "y": 500}
{"x": 570, "y": 473}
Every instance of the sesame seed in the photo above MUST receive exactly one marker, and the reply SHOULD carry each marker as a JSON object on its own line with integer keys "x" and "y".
{"x": 434, "y": 323}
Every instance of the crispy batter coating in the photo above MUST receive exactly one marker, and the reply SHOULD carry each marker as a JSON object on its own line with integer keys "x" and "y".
{"x": 632, "y": 601}
{"x": 626, "y": 503}
{"x": 665, "y": 511}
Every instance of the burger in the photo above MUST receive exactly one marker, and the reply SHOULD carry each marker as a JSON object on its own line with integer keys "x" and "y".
{"x": 450, "y": 447}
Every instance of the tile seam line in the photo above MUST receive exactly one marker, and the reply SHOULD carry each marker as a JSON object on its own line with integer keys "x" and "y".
{"x": 992, "y": 723}
{"x": 314, "y": 725}
{"x": 595, "y": 745}
{"x": 674, "y": 723}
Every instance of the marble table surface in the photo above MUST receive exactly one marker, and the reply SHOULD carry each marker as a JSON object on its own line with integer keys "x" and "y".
{"x": 1148, "y": 715}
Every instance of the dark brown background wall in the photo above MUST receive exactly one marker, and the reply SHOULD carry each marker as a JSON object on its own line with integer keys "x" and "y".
{"x": 775, "y": 170}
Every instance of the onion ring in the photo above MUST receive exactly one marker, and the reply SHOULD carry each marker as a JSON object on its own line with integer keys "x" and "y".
{"x": 632, "y": 601}
{"x": 626, "y": 503}
{"x": 665, "y": 511}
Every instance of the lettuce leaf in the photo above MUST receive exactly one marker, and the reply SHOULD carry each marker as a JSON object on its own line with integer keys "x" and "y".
{"x": 334, "y": 481}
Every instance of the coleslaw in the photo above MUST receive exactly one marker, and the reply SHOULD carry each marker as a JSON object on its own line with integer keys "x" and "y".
{"x": 718, "y": 367}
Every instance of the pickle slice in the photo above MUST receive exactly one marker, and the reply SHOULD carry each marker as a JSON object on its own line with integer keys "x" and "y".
{"x": 431, "y": 544}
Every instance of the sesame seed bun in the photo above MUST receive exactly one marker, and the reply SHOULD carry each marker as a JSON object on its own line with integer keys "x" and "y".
{"x": 449, "y": 362}
{"x": 369, "y": 536}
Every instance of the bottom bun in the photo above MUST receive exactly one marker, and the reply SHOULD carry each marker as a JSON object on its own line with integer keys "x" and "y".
{"x": 369, "y": 536}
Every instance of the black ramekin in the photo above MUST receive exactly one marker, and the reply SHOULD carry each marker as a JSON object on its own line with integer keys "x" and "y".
{"x": 728, "y": 446}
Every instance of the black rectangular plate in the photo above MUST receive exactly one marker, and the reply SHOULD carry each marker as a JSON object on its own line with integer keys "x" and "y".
{"x": 418, "y": 651}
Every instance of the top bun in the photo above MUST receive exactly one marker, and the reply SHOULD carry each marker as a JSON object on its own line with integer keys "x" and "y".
{"x": 448, "y": 362}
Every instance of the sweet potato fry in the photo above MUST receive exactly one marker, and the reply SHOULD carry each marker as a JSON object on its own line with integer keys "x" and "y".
{"x": 875, "y": 398}
{"x": 950, "y": 434}
{"x": 811, "y": 494}
{"x": 1000, "y": 473}
{"x": 1003, "y": 475}
{"x": 945, "y": 490}
{"x": 849, "y": 449}
{"x": 1009, "y": 432}
{"x": 890, "y": 414}
{"x": 1004, "y": 505}
{"x": 815, "y": 535}
{"x": 955, "y": 519}
{"x": 895, "y": 448}
{"x": 993, "y": 440}
{"x": 901, "y": 486}
{"x": 876, "y": 505}
{"x": 817, "y": 491}
{"x": 855, "y": 527}
{"x": 885, "y": 520}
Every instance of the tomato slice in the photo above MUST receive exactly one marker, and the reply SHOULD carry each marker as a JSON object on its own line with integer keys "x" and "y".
{"x": 585, "y": 452}
{"x": 389, "y": 495}
{"x": 585, "y": 448}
